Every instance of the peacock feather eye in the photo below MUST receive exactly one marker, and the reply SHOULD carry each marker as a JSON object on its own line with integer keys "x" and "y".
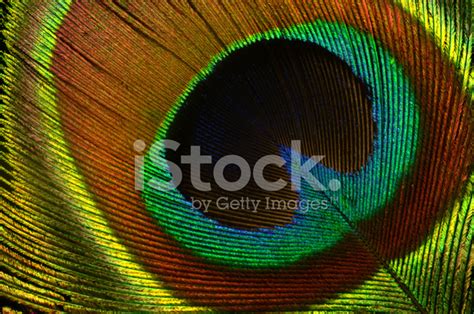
{"x": 194, "y": 156}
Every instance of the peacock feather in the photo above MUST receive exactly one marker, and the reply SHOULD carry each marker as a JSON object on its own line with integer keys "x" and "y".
{"x": 356, "y": 115}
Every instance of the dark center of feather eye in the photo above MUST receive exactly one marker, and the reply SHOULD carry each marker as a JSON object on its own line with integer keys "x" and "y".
{"x": 257, "y": 100}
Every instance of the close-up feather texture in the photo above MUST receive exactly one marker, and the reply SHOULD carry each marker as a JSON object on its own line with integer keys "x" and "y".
{"x": 361, "y": 111}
